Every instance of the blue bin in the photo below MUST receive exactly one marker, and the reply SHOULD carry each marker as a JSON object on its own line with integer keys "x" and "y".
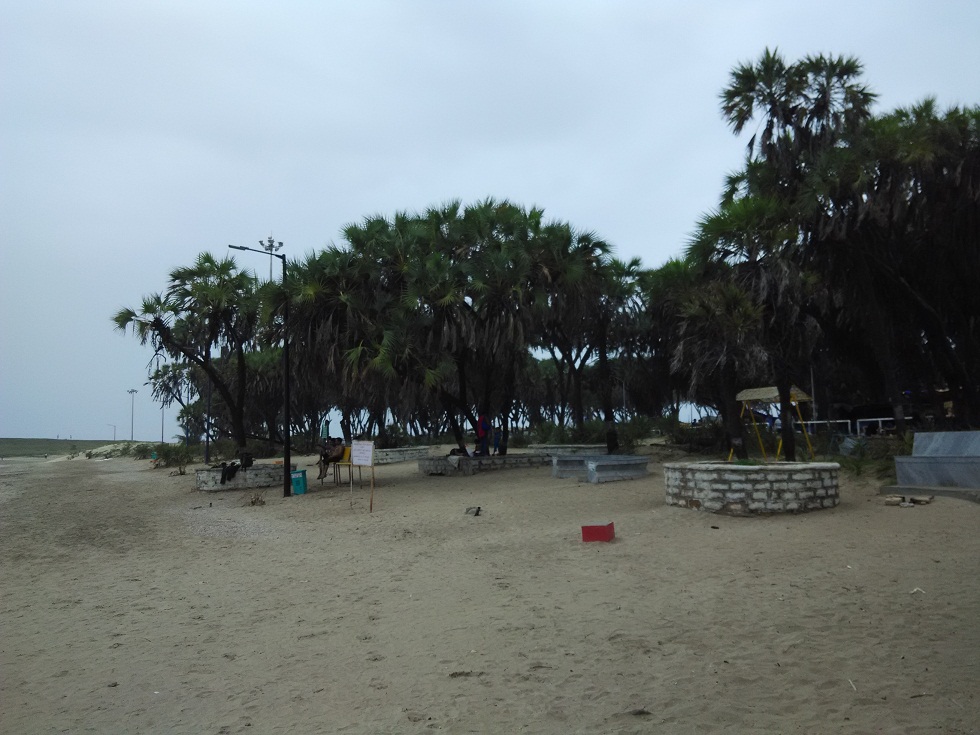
{"x": 299, "y": 482}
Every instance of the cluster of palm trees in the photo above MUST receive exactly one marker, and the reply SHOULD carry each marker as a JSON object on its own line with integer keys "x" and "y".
{"x": 848, "y": 242}
{"x": 855, "y": 238}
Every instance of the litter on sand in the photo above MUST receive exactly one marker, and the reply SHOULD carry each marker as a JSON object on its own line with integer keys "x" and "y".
{"x": 907, "y": 501}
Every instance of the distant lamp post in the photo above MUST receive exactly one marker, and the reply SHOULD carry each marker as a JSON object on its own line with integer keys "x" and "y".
{"x": 113, "y": 432}
{"x": 270, "y": 247}
{"x": 132, "y": 410}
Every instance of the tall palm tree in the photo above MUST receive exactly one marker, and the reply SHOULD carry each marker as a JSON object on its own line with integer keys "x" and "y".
{"x": 721, "y": 349}
{"x": 763, "y": 226}
{"x": 211, "y": 304}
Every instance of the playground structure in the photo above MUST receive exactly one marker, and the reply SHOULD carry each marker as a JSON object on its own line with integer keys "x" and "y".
{"x": 768, "y": 396}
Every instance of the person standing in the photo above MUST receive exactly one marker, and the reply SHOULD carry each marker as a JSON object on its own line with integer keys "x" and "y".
{"x": 483, "y": 434}
{"x": 498, "y": 432}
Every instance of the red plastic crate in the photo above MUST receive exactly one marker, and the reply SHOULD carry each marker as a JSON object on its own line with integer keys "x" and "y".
{"x": 598, "y": 533}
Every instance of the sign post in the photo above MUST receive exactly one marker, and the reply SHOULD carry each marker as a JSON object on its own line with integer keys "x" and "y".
{"x": 362, "y": 455}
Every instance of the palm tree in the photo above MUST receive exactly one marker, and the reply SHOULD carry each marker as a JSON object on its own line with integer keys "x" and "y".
{"x": 763, "y": 226}
{"x": 207, "y": 305}
{"x": 897, "y": 236}
{"x": 720, "y": 348}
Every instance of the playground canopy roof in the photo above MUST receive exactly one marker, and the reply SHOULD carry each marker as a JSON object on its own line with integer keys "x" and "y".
{"x": 770, "y": 394}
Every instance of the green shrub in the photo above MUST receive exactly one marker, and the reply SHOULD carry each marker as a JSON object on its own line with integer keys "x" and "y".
{"x": 174, "y": 455}
{"x": 635, "y": 432}
{"x": 141, "y": 450}
{"x": 518, "y": 438}
{"x": 703, "y": 437}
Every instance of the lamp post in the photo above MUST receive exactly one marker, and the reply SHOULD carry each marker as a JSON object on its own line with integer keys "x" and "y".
{"x": 271, "y": 247}
{"x": 132, "y": 410}
{"x": 113, "y": 432}
{"x": 287, "y": 484}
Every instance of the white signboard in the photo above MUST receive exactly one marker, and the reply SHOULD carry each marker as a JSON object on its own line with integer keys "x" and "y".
{"x": 362, "y": 454}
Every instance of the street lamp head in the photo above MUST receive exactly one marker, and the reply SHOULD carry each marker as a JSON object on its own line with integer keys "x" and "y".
{"x": 270, "y": 245}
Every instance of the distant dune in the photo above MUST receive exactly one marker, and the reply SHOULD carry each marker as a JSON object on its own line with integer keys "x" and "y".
{"x": 50, "y": 447}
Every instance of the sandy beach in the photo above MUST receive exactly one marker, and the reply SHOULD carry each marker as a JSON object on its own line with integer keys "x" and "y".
{"x": 132, "y": 603}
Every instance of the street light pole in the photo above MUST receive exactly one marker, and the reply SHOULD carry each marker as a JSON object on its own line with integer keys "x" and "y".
{"x": 287, "y": 481}
{"x": 113, "y": 432}
{"x": 132, "y": 410}
{"x": 271, "y": 247}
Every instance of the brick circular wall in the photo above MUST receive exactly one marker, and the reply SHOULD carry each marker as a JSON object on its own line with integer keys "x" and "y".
{"x": 783, "y": 487}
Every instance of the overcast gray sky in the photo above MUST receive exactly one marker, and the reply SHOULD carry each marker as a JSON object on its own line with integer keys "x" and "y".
{"x": 135, "y": 135}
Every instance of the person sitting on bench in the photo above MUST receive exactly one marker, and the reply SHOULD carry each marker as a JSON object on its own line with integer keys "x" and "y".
{"x": 332, "y": 450}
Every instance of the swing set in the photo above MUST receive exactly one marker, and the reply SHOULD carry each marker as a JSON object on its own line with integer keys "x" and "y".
{"x": 769, "y": 396}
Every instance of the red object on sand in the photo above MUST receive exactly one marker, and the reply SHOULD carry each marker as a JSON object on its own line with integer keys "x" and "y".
{"x": 598, "y": 533}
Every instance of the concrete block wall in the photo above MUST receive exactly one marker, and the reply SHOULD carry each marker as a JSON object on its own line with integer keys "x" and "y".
{"x": 258, "y": 475}
{"x": 785, "y": 487}
{"x": 399, "y": 454}
{"x": 508, "y": 462}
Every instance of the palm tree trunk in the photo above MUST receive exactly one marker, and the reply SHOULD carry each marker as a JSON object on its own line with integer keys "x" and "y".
{"x": 605, "y": 391}
{"x": 786, "y": 431}
{"x": 731, "y": 415}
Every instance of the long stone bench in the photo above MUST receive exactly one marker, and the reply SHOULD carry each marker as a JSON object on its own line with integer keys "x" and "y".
{"x": 614, "y": 467}
{"x": 471, "y": 465}
{"x": 599, "y": 467}
{"x": 580, "y": 449}
{"x": 400, "y": 454}
{"x": 942, "y": 463}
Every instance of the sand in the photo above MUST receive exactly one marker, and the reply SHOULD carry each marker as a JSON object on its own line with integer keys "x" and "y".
{"x": 131, "y": 603}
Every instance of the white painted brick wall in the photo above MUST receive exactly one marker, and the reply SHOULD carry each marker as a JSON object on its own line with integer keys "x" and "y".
{"x": 736, "y": 489}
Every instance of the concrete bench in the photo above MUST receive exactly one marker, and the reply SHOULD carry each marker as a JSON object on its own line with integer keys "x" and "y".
{"x": 471, "y": 465}
{"x": 942, "y": 463}
{"x": 576, "y": 466}
{"x": 579, "y": 449}
{"x": 617, "y": 467}
{"x": 599, "y": 467}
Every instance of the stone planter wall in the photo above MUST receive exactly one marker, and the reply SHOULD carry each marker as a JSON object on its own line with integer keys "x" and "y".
{"x": 784, "y": 487}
